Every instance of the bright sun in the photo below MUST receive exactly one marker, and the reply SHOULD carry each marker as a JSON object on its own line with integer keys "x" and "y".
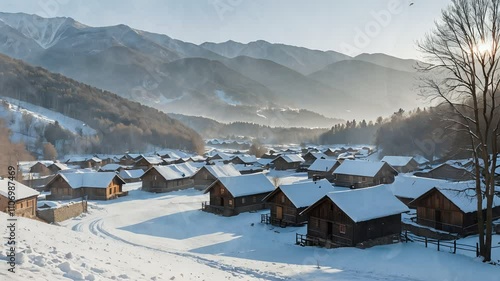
{"x": 484, "y": 47}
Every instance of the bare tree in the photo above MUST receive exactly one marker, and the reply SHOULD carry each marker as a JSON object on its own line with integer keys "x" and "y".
{"x": 463, "y": 50}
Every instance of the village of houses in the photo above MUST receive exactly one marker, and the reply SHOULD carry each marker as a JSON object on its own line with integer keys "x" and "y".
{"x": 329, "y": 197}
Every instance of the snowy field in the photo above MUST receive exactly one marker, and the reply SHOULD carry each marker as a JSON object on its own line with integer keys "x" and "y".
{"x": 148, "y": 236}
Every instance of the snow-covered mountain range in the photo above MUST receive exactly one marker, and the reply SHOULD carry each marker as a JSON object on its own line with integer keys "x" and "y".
{"x": 182, "y": 77}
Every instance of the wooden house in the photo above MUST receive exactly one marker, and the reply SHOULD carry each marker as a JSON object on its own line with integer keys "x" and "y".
{"x": 402, "y": 164}
{"x": 358, "y": 174}
{"x": 25, "y": 204}
{"x": 168, "y": 178}
{"x": 146, "y": 162}
{"x": 112, "y": 167}
{"x": 133, "y": 175}
{"x": 310, "y": 157}
{"x": 243, "y": 159}
{"x": 287, "y": 162}
{"x": 347, "y": 218}
{"x": 448, "y": 172}
{"x": 220, "y": 156}
{"x": 56, "y": 167}
{"x": 129, "y": 159}
{"x": 450, "y": 210}
{"x": 230, "y": 196}
{"x": 94, "y": 186}
{"x": 41, "y": 169}
{"x": 208, "y": 174}
{"x": 84, "y": 162}
{"x": 333, "y": 152}
{"x": 288, "y": 201}
{"x": 323, "y": 168}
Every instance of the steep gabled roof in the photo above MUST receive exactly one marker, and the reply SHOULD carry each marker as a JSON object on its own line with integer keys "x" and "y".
{"x": 93, "y": 180}
{"x": 218, "y": 171}
{"x": 304, "y": 194}
{"x": 322, "y": 165}
{"x": 290, "y": 158}
{"x": 365, "y": 204}
{"x": 245, "y": 185}
{"x": 131, "y": 174}
{"x": 462, "y": 196}
{"x": 174, "y": 171}
{"x": 361, "y": 168}
{"x": 397, "y": 161}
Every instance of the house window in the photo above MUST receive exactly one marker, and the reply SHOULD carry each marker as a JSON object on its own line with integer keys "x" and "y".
{"x": 363, "y": 178}
{"x": 230, "y": 202}
{"x": 222, "y": 190}
{"x": 316, "y": 222}
{"x": 282, "y": 198}
{"x": 255, "y": 199}
{"x": 342, "y": 228}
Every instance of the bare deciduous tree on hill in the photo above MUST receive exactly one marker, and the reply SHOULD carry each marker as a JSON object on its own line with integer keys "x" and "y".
{"x": 464, "y": 52}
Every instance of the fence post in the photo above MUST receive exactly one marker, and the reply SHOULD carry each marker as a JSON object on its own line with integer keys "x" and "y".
{"x": 406, "y": 236}
{"x": 477, "y": 250}
{"x": 426, "y": 242}
{"x": 438, "y": 245}
{"x": 454, "y": 246}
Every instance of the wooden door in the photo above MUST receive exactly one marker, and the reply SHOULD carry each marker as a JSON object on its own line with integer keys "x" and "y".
{"x": 279, "y": 212}
{"x": 437, "y": 219}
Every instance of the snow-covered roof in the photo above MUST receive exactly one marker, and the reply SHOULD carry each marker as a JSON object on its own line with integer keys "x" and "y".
{"x": 94, "y": 180}
{"x": 360, "y": 168}
{"x": 131, "y": 174}
{"x": 43, "y": 162}
{"x": 153, "y": 160}
{"x": 322, "y": 165}
{"x": 291, "y": 158}
{"x": 463, "y": 196}
{"x": 304, "y": 194}
{"x": 246, "y": 158}
{"x": 218, "y": 171}
{"x": 318, "y": 155}
{"x": 110, "y": 167}
{"x": 223, "y": 156}
{"x": 61, "y": 166}
{"x": 369, "y": 203}
{"x": 397, "y": 161}
{"x": 245, "y": 184}
{"x": 21, "y": 191}
{"x": 408, "y": 186}
{"x": 175, "y": 171}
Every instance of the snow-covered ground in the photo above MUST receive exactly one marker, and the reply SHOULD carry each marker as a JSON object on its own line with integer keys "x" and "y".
{"x": 147, "y": 236}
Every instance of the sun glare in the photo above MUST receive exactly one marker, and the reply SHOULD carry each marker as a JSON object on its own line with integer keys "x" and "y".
{"x": 484, "y": 47}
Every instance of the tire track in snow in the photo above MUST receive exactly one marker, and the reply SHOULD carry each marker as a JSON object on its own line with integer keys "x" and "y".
{"x": 96, "y": 228}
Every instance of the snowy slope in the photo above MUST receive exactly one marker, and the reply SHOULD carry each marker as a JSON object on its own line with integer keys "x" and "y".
{"x": 41, "y": 117}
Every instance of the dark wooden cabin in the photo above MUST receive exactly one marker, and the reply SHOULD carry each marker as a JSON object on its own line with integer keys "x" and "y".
{"x": 287, "y": 201}
{"x": 287, "y": 162}
{"x": 40, "y": 168}
{"x": 449, "y": 210}
{"x": 95, "y": 186}
{"x": 402, "y": 164}
{"x": 359, "y": 174}
{"x": 208, "y": 174}
{"x": 230, "y": 196}
{"x": 323, "y": 168}
{"x": 448, "y": 172}
{"x": 168, "y": 178}
{"x": 348, "y": 218}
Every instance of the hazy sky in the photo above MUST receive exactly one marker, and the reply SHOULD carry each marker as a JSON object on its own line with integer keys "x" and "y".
{"x": 348, "y": 26}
